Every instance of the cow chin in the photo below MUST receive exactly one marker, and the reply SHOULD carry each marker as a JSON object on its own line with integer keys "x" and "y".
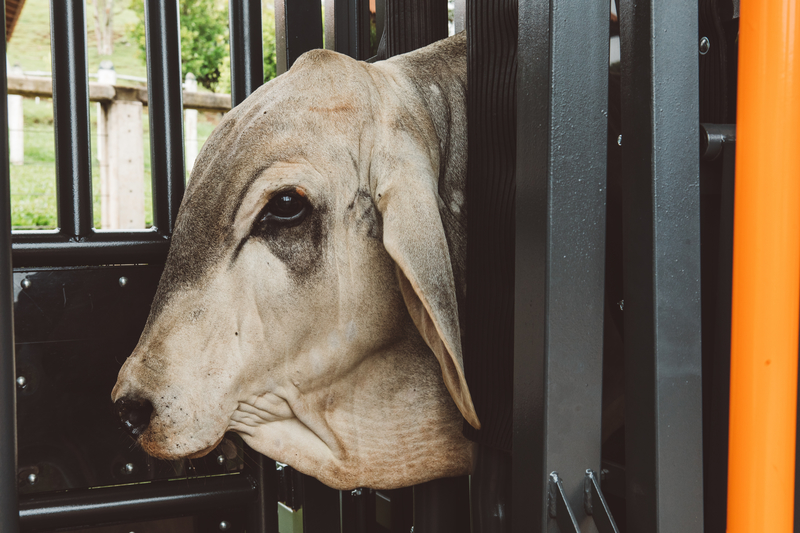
{"x": 161, "y": 443}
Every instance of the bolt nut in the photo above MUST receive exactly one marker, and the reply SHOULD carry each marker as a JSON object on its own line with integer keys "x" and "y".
{"x": 128, "y": 468}
{"x": 705, "y": 46}
{"x": 32, "y": 478}
{"x": 26, "y": 283}
{"x": 123, "y": 281}
{"x": 224, "y": 526}
{"x": 619, "y": 140}
{"x": 356, "y": 492}
{"x": 22, "y": 382}
{"x": 220, "y": 460}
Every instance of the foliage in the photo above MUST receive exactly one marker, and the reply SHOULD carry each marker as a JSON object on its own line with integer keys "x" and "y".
{"x": 204, "y": 38}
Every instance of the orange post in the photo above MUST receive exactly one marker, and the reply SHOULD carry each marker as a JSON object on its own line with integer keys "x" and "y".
{"x": 766, "y": 270}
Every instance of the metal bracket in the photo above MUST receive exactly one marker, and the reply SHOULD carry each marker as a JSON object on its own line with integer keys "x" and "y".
{"x": 559, "y": 508}
{"x": 595, "y": 504}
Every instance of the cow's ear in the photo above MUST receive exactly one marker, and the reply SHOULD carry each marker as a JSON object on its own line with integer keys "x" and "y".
{"x": 414, "y": 236}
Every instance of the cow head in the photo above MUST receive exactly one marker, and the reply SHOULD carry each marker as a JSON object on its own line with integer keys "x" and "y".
{"x": 308, "y": 301}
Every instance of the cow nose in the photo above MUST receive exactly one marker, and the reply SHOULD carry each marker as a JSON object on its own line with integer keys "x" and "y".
{"x": 134, "y": 414}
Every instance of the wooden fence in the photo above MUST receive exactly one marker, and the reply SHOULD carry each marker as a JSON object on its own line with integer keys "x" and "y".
{"x": 120, "y": 139}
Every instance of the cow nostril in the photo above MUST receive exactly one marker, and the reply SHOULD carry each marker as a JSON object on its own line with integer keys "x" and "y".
{"x": 134, "y": 414}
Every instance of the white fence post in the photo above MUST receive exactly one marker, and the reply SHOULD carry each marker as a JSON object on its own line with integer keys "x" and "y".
{"x": 106, "y": 75}
{"x": 121, "y": 155}
{"x": 190, "y": 124}
{"x": 16, "y": 124}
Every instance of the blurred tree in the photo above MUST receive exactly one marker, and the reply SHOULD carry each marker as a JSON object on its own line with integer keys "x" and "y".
{"x": 204, "y": 38}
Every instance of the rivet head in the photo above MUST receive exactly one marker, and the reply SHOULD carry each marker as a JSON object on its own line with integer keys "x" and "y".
{"x": 621, "y": 305}
{"x": 705, "y": 46}
{"x": 224, "y": 526}
{"x": 32, "y": 478}
{"x": 128, "y": 469}
{"x": 123, "y": 281}
{"x": 220, "y": 460}
{"x": 356, "y": 492}
{"x": 26, "y": 283}
{"x": 22, "y": 382}
{"x": 619, "y": 140}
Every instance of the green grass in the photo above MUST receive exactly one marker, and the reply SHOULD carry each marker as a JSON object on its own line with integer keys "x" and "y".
{"x": 33, "y": 184}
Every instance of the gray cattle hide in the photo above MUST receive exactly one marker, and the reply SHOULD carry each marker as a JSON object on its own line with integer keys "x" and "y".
{"x": 310, "y": 301}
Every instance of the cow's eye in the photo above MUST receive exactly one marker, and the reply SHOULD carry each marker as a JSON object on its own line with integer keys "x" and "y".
{"x": 287, "y": 208}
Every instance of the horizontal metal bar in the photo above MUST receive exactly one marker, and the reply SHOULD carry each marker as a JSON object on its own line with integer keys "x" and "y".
{"x": 145, "y": 501}
{"x": 52, "y": 248}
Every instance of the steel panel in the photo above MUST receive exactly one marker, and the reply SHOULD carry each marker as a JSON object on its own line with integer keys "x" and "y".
{"x": 560, "y": 249}
{"x": 660, "y": 117}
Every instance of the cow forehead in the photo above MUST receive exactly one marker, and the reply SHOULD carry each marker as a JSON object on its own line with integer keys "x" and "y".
{"x": 315, "y": 114}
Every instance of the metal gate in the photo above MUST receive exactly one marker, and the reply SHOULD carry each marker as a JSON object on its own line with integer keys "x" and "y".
{"x": 80, "y": 296}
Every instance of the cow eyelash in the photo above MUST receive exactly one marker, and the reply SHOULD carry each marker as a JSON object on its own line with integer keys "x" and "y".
{"x": 285, "y": 209}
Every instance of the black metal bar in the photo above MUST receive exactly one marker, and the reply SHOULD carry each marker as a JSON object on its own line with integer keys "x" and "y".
{"x": 165, "y": 105}
{"x": 138, "y": 502}
{"x": 8, "y": 375}
{"x": 661, "y": 265}
{"x": 263, "y": 512}
{"x": 412, "y": 24}
{"x": 347, "y": 27}
{"x": 298, "y": 29}
{"x": 441, "y": 506}
{"x": 247, "y": 51}
{"x": 71, "y": 117}
{"x": 97, "y": 248}
{"x": 560, "y": 252}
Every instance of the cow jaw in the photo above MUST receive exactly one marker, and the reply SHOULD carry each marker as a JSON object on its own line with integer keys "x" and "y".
{"x": 374, "y": 428}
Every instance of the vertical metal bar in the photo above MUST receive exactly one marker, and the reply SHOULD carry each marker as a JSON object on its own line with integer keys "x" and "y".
{"x": 165, "y": 94}
{"x": 560, "y": 252}
{"x": 661, "y": 251}
{"x": 247, "y": 51}
{"x": 71, "y": 117}
{"x": 263, "y": 513}
{"x": 440, "y": 506}
{"x": 412, "y": 24}
{"x": 9, "y": 514}
{"x": 347, "y": 27}
{"x": 298, "y": 29}
{"x": 766, "y": 271}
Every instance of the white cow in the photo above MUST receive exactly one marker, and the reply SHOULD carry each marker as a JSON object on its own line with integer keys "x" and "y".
{"x": 310, "y": 300}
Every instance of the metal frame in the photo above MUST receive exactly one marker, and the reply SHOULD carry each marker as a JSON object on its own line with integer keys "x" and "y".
{"x": 560, "y": 219}
{"x": 661, "y": 218}
{"x": 560, "y": 252}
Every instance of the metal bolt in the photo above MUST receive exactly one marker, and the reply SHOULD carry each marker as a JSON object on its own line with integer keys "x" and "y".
{"x": 32, "y": 478}
{"x": 26, "y": 283}
{"x": 621, "y": 305}
{"x": 619, "y": 140}
{"x": 220, "y": 460}
{"x": 123, "y": 281}
{"x": 223, "y": 526}
{"x": 22, "y": 382}
{"x": 356, "y": 492}
{"x": 705, "y": 45}
{"x": 128, "y": 468}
